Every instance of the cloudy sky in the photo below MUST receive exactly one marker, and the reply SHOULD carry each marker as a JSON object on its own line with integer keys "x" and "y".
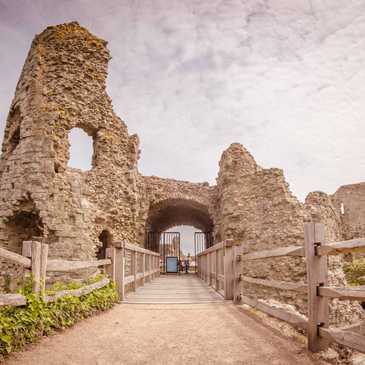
{"x": 286, "y": 78}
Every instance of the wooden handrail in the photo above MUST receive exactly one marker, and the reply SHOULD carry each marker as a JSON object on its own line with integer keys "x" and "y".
{"x": 77, "y": 292}
{"x": 276, "y": 252}
{"x": 337, "y": 248}
{"x": 14, "y": 300}
{"x": 67, "y": 266}
{"x": 346, "y": 338}
{"x": 352, "y": 293}
{"x": 135, "y": 248}
{"x": 14, "y": 257}
{"x": 216, "y": 247}
{"x": 283, "y": 285}
{"x": 292, "y": 318}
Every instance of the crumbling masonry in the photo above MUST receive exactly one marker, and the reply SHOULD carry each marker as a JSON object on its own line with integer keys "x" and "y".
{"x": 63, "y": 86}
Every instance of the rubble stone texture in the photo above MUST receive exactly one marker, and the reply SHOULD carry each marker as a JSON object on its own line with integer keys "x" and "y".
{"x": 63, "y": 86}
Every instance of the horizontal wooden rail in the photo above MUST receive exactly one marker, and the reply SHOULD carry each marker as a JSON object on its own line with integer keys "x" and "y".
{"x": 67, "y": 266}
{"x": 77, "y": 292}
{"x": 135, "y": 248}
{"x": 292, "y": 318}
{"x": 283, "y": 285}
{"x": 337, "y": 248}
{"x": 216, "y": 247}
{"x": 276, "y": 252}
{"x": 14, "y": 300}
{"x": 353, "y": 293}
{"x": 346, "y": 338}
{"x": 14, "y": 257}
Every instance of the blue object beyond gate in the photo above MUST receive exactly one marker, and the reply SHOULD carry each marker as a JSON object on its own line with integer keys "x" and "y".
{"x": 172, "y": 264}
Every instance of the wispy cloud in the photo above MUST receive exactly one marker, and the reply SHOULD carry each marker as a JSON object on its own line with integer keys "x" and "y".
{"x": 286, "y": 78}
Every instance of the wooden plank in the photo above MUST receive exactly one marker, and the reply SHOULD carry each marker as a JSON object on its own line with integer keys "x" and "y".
{"x": 292, "y": 318}
{"x": 27, "y": 249}
{"x": 66, "y": 266}
{"x": 237, "y": 273}
{"x": 276, "y": 252}
{"x": 353, "y": 340}
{"x": 135, "y": 248}
{"x": 228, "y": 272}
{"x": 128, "y": 279}
{"x": 119, "y": 267}
{"x": 15, "y": 258}
{"x": 43, "y": 269}
{"x": 78, "y": 292}
{"x": 337, "y": 248}
{"x": 135, "y": 269}
{"x": 317, "y": 273}
{"x": 217, "y": 246}
{"x": 283, "y": 285}
{"x": 358, "y": 327}
{"x": 36, "y": 266}
{"x": 14, "y": 300}
{"x": 353, "y": 293}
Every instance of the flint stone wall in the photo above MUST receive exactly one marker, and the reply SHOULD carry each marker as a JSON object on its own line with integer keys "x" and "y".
{"x": 63, "y": 86}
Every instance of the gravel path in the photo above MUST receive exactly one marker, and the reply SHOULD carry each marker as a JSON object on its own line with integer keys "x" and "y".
{"x": 211, "y": 333}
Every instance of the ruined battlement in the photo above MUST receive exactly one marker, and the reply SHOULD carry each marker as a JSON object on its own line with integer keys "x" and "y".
{"x": 63, "y": 86}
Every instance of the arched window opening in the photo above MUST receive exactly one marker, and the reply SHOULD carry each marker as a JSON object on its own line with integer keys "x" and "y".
{"x": 81, "y": 150}
{"x": 12, "y": 132}
{"x": 105, "y": 239}
{"x": 14, "y": 140}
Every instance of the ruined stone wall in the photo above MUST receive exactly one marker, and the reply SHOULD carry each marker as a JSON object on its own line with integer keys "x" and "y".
{"x": 63, "y": 86}
{"x": 255, "y": 207}
{"x": 353, "y": 218}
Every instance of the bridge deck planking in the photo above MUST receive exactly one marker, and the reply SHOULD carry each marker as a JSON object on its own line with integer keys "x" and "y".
{"x": 175, "y": 289}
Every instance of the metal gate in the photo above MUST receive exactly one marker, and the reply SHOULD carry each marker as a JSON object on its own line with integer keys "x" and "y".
{"x": 202, "y": 241}
{"x": 166, "y": 243}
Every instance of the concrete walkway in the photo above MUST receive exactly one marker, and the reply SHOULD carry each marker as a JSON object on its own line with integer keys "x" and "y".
{"x": 167, "y": 333}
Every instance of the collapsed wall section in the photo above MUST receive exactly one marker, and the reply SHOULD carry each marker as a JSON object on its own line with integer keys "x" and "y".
{"x": 256, "y": 208}
{"x": 62, "y": 86}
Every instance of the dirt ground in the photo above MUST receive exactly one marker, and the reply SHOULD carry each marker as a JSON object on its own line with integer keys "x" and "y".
{"x": 214, "y": 333}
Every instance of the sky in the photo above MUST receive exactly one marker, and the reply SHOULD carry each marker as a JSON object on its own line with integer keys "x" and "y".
{"x": 286, "y": 78}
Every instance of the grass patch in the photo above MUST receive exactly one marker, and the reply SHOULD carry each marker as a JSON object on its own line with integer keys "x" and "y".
{"x": 22, "y": 325}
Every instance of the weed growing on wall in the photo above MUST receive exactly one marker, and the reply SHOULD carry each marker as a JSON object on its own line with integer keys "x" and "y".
{"x": 355, "y": 272}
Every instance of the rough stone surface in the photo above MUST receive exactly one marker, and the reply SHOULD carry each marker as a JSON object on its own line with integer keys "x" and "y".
{"x": 63, "y": 86}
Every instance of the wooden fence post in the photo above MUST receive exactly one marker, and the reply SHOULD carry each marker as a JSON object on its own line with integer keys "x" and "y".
{"x": 143, "y": 268}
{"x": 237, "y": 272}
{"x": 135, "y": 269}
{"x": 228, "y": 269}
{"x": 209, "y": 265}
{"x": 43, "y": 269}
{"x": 317, "y": 273}
{"x": 36, "y": 266}
{"x": 116, "y": 269}
{"x": 118, "y": 263}
{"x": 216, "y": 270}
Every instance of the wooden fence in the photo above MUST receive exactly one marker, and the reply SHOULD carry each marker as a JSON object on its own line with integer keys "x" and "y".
{"x": 215, "y": 267}
{"x": 144, "y": 267}
{"x": 221, "y": 266}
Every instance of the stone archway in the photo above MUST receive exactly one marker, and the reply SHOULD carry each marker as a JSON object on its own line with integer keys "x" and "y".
{"x": 173, "y": 212}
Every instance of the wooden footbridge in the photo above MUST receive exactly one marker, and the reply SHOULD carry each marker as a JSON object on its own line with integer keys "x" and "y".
{"x": 219, "y": 280}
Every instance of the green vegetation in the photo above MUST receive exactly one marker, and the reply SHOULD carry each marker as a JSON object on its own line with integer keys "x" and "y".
{"x": 355, "y": 272}
{"x": 22, "y": 325}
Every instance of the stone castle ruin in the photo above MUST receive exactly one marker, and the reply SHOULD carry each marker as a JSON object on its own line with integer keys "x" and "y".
{"x": 63, "y": 86}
